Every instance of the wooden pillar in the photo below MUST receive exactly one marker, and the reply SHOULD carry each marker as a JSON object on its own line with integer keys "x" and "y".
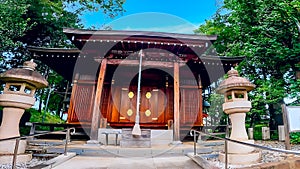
{"x": 200, "y": 114}
{"x": 71, "y": 110}
{"x": 286, "y": 127}
{"x": 97, "y": 101}
{"x": 176, "y": 103}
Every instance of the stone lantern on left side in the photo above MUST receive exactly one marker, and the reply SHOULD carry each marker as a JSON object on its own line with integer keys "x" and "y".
{"x": 18, "y": 95}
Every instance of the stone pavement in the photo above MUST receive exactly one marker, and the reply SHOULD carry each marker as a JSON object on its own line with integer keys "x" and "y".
{"x": 90, "y": 162}
{"x": 113, "y": 157}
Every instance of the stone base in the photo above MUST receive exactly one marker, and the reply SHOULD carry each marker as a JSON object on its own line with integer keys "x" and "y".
{"x": 130, "y": 141}
{"x": 161, "y": 137}
{"x": 236, "y": 148}
{"x": 241, "y": 159}
{"x": 21, "y": 158}
{"x": 8, "y": 147}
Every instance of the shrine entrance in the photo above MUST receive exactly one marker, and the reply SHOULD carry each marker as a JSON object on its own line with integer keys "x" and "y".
{"x": 156, "y": 101}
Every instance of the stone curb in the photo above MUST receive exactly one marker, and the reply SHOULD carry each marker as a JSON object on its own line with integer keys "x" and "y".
{"x": 58, "y": 160}
{"x": 204, "y": 164}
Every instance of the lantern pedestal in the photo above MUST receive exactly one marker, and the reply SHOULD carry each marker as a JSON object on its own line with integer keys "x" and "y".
{"x": 7, "y": 149}
{"x": 238, "y": 153}
{"x": 10, "y": 127}
{"x": 14, "y": 107}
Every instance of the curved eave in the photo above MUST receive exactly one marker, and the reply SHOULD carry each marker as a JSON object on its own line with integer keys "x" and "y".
{"x": 123, "y": 33}
{"x": 81, "y": 37}
{"x": 223, "y": 58}
{"x": 53, "y": 50}
{"x": 60, "y": 60}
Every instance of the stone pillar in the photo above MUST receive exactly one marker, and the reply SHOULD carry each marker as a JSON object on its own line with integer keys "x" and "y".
{"x": 236, "y": 104}
{"x": 281, "y": 133}
{"x": 250, "y": 133}
{"x": 265, "y": 133}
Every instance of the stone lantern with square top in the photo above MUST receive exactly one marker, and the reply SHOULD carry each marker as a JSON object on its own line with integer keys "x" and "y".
{"x": 20, "y": 85}
{"x": 235, "y": 90}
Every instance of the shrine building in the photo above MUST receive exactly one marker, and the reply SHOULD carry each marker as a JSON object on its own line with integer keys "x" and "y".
{"x": 104, "y": 69}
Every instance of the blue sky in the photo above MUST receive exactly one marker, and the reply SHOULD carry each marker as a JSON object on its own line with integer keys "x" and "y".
{"x": 176, "y": 16}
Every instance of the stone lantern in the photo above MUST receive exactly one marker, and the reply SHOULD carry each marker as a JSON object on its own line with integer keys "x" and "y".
{"x": 236, "y": 105}
{"x": 18, "y": 95}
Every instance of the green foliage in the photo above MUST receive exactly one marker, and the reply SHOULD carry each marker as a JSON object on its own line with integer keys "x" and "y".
{"x": 12, "y": 26}
{"x": 215, "y": 111}
{"x": 257, "y": 131}
{"x": 267, "y": 33}
{"x": 209, "y": 28}
{"x": 37, "y": 116}
{"x": 40, "y": 23}
{"x": 295, "y": 138}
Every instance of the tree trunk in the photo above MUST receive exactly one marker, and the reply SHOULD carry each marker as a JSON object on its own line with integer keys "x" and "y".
{"x": 41, "y": 102}
{"x": 275, "y": 116}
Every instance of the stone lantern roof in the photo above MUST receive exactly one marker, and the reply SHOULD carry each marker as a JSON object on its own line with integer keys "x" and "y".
{"x": 25, "y": 74}
{"x": 234, "y": 81}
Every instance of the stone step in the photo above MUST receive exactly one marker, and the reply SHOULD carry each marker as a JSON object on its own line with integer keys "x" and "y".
{"x": 111, "y": 151}
{"x": 35, "y": 150}
{"x": 204, "y": 164}
{"x": 42, "y": 142}
{"x": 45, "y": 155}
{"x": 210, "y": 155}
{"x": 211, "y": 143}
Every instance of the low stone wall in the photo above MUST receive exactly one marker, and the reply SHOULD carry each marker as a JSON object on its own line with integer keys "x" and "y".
{"x": 293, "y": 163}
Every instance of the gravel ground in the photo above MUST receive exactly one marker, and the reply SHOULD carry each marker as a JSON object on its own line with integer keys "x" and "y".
{"x": 32, "y": 163}
{"x": 267, "y": 156}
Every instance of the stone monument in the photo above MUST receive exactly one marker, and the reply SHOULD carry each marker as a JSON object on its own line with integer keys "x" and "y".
{"x": 18, "y": 95}
{"x": 236, "y": 104}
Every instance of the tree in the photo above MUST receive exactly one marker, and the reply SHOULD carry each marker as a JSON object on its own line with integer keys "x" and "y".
{"x": 267, "y": 34}
{"x": 12, "y": 26}
{"x": 215, "y": 110}
{"x": 40, "y": 23}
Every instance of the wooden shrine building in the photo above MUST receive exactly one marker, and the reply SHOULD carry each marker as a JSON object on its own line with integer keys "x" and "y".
{"x": 176, "y": 68}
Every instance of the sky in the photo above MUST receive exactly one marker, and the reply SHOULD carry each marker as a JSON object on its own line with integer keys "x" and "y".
{"x": 174, "y": 16}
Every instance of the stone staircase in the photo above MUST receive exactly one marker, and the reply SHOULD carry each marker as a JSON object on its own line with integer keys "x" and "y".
{"x": 39, "y": 148}
{"x": 50, "y": 148}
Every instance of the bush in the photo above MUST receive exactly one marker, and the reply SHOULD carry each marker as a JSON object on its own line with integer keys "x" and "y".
{"x": 257, "y": 131}
{"x": 36, "y": 116}
{"x": 295, "y": 138}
